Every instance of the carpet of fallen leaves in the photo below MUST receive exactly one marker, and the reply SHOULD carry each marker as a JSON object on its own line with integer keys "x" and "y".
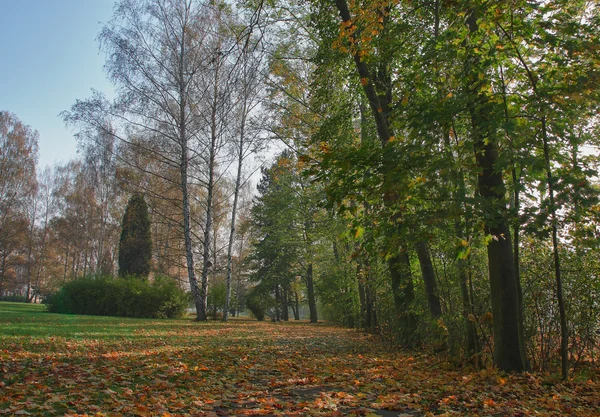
{"x": 86, "y": 366}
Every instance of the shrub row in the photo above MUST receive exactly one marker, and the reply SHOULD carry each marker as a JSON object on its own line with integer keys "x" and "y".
{"x": 123, "y": 297}
{"x": 14, "y": 298}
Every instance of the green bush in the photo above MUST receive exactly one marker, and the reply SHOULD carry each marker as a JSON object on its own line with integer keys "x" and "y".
{"x": 217, "y": 297}
{"x": 128, "y": 297}
{"x": 14, "y": 298}
{"x": 259, "y": 301}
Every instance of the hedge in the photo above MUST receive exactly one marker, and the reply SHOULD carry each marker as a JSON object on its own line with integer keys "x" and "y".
{"x": 123, "y": 297}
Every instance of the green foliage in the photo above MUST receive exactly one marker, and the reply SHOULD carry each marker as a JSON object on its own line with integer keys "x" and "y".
{"x": 287, "y": 221}
{"x": 14, "y": 298}
{"x": 105, "y": 296}
{"x": 259, "y": 301}
{"x": 135, "y": 245}
{"x": 215, "y": 302}
{"x": 470, "y": 93}
{"x": 541, "y": 313}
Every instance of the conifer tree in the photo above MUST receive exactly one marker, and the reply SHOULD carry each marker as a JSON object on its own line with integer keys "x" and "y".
{"x": 135, "y": 245}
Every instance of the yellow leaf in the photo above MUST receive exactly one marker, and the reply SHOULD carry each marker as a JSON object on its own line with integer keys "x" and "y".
{"x": 359, "y": 232}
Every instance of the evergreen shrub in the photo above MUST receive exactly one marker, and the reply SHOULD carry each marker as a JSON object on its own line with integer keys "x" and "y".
{"x": 135, "y": 244}
{"x": 259, "y": 302}
{"x": 14, "y": 298}
{"x": 129, "y": 297}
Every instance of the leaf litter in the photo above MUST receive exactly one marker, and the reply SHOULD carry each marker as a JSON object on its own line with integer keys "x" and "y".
{"x": 181, "y": 368}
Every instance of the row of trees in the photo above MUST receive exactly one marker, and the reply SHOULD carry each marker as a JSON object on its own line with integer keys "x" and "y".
{"x": 453, "y": 147}
{"x": 59, "y": 223}
{"x": 73, "y": 221}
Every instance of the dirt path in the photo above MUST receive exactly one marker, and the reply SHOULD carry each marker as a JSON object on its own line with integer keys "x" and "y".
{"x": 166, "y": 368}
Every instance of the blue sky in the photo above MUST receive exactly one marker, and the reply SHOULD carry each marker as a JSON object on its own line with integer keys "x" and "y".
{"x": 49, "y": 57}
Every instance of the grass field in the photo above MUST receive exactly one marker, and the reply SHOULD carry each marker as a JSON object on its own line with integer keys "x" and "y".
{"x": 100, "y": 366}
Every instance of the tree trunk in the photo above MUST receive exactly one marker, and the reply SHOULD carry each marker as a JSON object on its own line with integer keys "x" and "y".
{"x": 401, "y": 279}
{"x": 312, "y": 304}
{"x": 206, "y": 264}
{"x": 66, "y": 266}
{"x": 371, "y": 298}
{"x": 2, "y": 273}
{"x": 404, "y": 294}
{"x": 42, "y": 253}
{"x": 238, "y": 308}
{"x": 564, "y": 331}
{"x": 231, "y": 240}
{"x": 362, "y": 298}
{"x": 278, "y": 303}
{"x": 468, "y": 310}
{"x": 294, "y": 309}
{"x": 236, "y": 194}
{"x": 206, "y": 243}
{"x": 517, "y": 220}
{"x": 183, "y": 169}
{"x": 459, "y": 197}
{"x": 509, "y": 351}
{"x": 517, "y": 230}
{"x": 29, "y": 265}
{"x": 366, "y": 296}
{"x": 187, "y": 234}
{"x": 564, "y": 339}
{"x": 297, "y": 303}
{"x": 433, "y": 299}
{"x": 284, "y": 304}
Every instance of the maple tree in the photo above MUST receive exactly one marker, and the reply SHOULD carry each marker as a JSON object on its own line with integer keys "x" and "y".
{"x": 443, "y": 98}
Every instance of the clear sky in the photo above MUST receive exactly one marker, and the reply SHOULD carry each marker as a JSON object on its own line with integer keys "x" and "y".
{"x": 49, "y": 57}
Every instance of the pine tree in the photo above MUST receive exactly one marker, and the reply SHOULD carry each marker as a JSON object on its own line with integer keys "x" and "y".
{"x": 135, "y": 245}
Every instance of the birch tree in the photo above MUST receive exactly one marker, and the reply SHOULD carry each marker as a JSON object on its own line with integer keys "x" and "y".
{"x": 246, "y": 138}
{"x": 154, "y": 57}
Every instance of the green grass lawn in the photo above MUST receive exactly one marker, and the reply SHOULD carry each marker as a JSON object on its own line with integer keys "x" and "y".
{"x": 55, "y": 365}
{"x": 20, "y": 319}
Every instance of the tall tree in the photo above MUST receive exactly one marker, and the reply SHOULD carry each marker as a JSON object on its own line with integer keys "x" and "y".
{"x": 377, "y": 87}
{"x": 250, "y": 87}
{"x": 509, "y": 349}
{"x": 216, "y": 96}
{"x": 18, "y": 158}
{"x": 285, "y": 220}
{"x": 154, "y": 55}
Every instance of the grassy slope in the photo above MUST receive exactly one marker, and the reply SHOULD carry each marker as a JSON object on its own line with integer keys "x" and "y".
{"x": 76, "y": 365}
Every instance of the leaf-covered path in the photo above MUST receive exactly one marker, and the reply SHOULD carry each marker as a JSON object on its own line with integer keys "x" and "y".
{"x": 98, "y": 366}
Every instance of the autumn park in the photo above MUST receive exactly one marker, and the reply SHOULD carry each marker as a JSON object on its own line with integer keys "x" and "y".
{"x": 290, "y": 208}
